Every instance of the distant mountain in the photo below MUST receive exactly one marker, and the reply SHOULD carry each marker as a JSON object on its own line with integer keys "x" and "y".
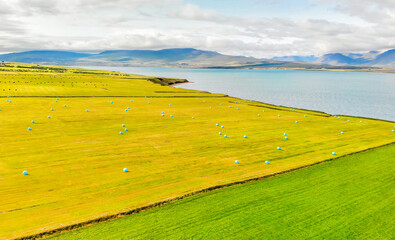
{"x": 338, "y": 59}
{"x": 385, "y": 59}
{"x": 169, "y": 55}
{"x": 371, "y": 55}
{"x": 310, "y": 58}
{"x": 43, "y": 57}
{"x": 176, "y": 57}
{"x": 372, "y": 58}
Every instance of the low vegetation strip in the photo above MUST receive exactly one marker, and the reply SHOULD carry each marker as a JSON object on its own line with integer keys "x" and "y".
{"x": 349, "y": 198}
{"x": 63, "y": 160}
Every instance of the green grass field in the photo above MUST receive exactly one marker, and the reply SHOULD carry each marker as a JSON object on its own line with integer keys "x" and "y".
{"x": 75, "y": 158}
{"x": 349, "y": 198}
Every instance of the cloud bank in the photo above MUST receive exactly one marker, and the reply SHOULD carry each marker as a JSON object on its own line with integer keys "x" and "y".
{"x": 95, "y": 25}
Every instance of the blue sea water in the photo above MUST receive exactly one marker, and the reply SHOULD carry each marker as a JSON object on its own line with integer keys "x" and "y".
{"x": 363, "y": 94}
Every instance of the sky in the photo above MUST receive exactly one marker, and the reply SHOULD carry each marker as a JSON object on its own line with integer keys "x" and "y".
{"x": 258, "y": 28}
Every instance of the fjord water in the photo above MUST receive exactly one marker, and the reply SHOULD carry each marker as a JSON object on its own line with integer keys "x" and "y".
{"x": 363, "y": 94}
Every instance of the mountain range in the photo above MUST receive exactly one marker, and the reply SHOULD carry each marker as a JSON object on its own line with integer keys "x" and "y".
{"x": 194, "y": 58}
{"x": 176, "y": 57}
{"x": 372, "y": 58}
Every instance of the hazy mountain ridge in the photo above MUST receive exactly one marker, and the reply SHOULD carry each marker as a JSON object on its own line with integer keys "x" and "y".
{"x": 372, "y": 58}
{"x": 176, "y": 57}
{"x": 194, "y": 58}
{"x": 54, "y": 57}
{"x": 168, "y": 57}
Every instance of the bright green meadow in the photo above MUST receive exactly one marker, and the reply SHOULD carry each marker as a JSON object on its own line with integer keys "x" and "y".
{"x": 75, "y": 155}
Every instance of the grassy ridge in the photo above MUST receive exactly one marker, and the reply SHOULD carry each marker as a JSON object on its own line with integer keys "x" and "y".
{"x": 349, "y": 198}
{"x": 75, "y": 158}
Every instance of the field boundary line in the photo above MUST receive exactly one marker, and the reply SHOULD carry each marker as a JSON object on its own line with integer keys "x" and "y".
{"x": 170, "y": 200}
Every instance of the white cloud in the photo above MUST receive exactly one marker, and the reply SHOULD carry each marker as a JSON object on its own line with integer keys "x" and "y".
{"x": 194, "y": 12}
{"x": 155, "y": 24}
{"x": 32, "y": 7}
{"x": 371, "y": 11}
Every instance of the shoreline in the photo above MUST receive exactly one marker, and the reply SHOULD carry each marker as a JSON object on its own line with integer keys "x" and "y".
{"x": 382, "y": 70}
{"x": 296, "y": 108}
{"x": 176, "y": 84}
{"x": 334, "y": 69}
{"x": 179, "y": 83}
{"x": 277, "y": 107}
{"x": 269, "y": 69}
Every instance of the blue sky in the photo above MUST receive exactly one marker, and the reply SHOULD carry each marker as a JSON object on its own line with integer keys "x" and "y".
{"x": 288, "y": 9}
{"x": 272, "y": 8}
{"x": 259, "y": 28}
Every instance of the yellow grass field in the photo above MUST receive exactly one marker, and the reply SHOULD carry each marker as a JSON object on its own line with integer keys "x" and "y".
{"x": 75, "y": 158}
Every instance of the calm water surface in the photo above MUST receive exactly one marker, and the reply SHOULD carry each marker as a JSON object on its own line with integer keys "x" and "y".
{"x": 348, "y": 93}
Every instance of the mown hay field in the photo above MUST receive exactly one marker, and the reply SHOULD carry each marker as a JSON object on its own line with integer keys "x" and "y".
{"x": 348, "y": 198}
{"x": 172, "y": 146}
